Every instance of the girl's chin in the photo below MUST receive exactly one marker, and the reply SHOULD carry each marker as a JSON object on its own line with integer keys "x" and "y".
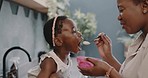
{"x": 77, "y": 50}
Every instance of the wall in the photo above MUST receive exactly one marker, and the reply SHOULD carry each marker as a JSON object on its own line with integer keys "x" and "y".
{"x": 26, "y": 32}
{"x": 19, "y": 30}
{"x": 106, "y": 15}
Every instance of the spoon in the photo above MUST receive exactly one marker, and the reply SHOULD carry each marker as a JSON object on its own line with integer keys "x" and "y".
{"x": 88, "y": 43}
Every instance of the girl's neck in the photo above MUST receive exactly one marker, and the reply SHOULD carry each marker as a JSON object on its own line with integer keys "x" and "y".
{"x": 62, "y": 54}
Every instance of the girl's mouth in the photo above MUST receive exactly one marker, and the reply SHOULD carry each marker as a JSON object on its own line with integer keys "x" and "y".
{"x": 79, "y": 46}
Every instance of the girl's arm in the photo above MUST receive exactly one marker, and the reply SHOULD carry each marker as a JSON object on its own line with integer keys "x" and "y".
{"x": 48, "y": 67}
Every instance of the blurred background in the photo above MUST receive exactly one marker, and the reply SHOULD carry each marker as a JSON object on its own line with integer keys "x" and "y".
{"x": 106, "y": 13}
{"x": 21, "y": 25}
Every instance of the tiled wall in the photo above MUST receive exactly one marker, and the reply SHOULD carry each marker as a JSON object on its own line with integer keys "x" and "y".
{"x": 19, "y": 30}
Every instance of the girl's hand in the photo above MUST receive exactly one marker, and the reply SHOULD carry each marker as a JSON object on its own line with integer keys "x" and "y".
{"x": 104, "y": 45}
{"x": 99, "y": 68}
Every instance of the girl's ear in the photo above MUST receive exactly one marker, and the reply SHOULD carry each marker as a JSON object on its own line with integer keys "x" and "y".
{"x": 145, "y": 6}
{"x": 58, "y": 41}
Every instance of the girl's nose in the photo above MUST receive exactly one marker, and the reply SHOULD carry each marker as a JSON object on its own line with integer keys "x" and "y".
{"x": 79, "y": 34}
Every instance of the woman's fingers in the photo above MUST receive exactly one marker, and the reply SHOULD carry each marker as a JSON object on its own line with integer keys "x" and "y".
{"x": 98, "y": 41}
{"x": 86, "y": 71}
{"x": 102, "y": 39}
{"x": 107, "y": 38}
{"x": 83, "y": 70}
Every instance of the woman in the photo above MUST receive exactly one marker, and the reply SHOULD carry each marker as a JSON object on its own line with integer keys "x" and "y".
{"x": 133, "y": 18}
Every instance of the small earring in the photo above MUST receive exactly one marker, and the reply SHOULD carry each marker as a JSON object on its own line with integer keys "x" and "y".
{"x": 144, "y": 11}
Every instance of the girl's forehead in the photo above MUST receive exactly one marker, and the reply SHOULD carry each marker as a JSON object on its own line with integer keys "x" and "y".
{"x": 70, "y": 23}
{"x": 74, "y": 24}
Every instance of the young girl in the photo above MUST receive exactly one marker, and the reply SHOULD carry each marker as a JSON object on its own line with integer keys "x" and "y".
{"x": 62, "y": 35}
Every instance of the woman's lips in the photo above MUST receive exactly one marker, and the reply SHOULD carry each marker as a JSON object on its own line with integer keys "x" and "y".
{"x": 123, "y": 25}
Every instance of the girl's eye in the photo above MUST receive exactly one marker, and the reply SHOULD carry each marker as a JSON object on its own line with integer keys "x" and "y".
{"x": 74, "y": 30}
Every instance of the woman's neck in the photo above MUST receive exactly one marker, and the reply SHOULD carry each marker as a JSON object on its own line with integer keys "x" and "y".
{"x": 145, "y": 33}
{"x": 145, "y": 29}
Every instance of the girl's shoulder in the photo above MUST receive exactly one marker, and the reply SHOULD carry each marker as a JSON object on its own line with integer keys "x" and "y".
{"x": 48, "y": 64}
{"x": 48, "y": 55}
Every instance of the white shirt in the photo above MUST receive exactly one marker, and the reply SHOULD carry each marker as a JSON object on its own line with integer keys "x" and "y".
{"x": 136, "y": 62}
{"x": 63, "y": 69}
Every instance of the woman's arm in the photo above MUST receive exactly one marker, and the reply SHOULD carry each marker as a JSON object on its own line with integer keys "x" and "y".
{"x": 48, "y": 67}
{"x": 111, "y": 60}
{"x": 100, "y": 68}
{"x": 104, "y": 46}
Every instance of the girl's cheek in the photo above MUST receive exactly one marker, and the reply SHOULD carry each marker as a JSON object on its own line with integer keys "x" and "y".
{"x": 76, "y": 35}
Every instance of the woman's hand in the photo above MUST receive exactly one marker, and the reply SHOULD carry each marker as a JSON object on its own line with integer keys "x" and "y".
{"x": 99, "y": 68}
{"x": 104, "y": 45}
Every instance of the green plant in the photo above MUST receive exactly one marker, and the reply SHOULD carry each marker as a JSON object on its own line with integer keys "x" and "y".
{"x": 56, "y": 7}
{"x": 86, "y": 23}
